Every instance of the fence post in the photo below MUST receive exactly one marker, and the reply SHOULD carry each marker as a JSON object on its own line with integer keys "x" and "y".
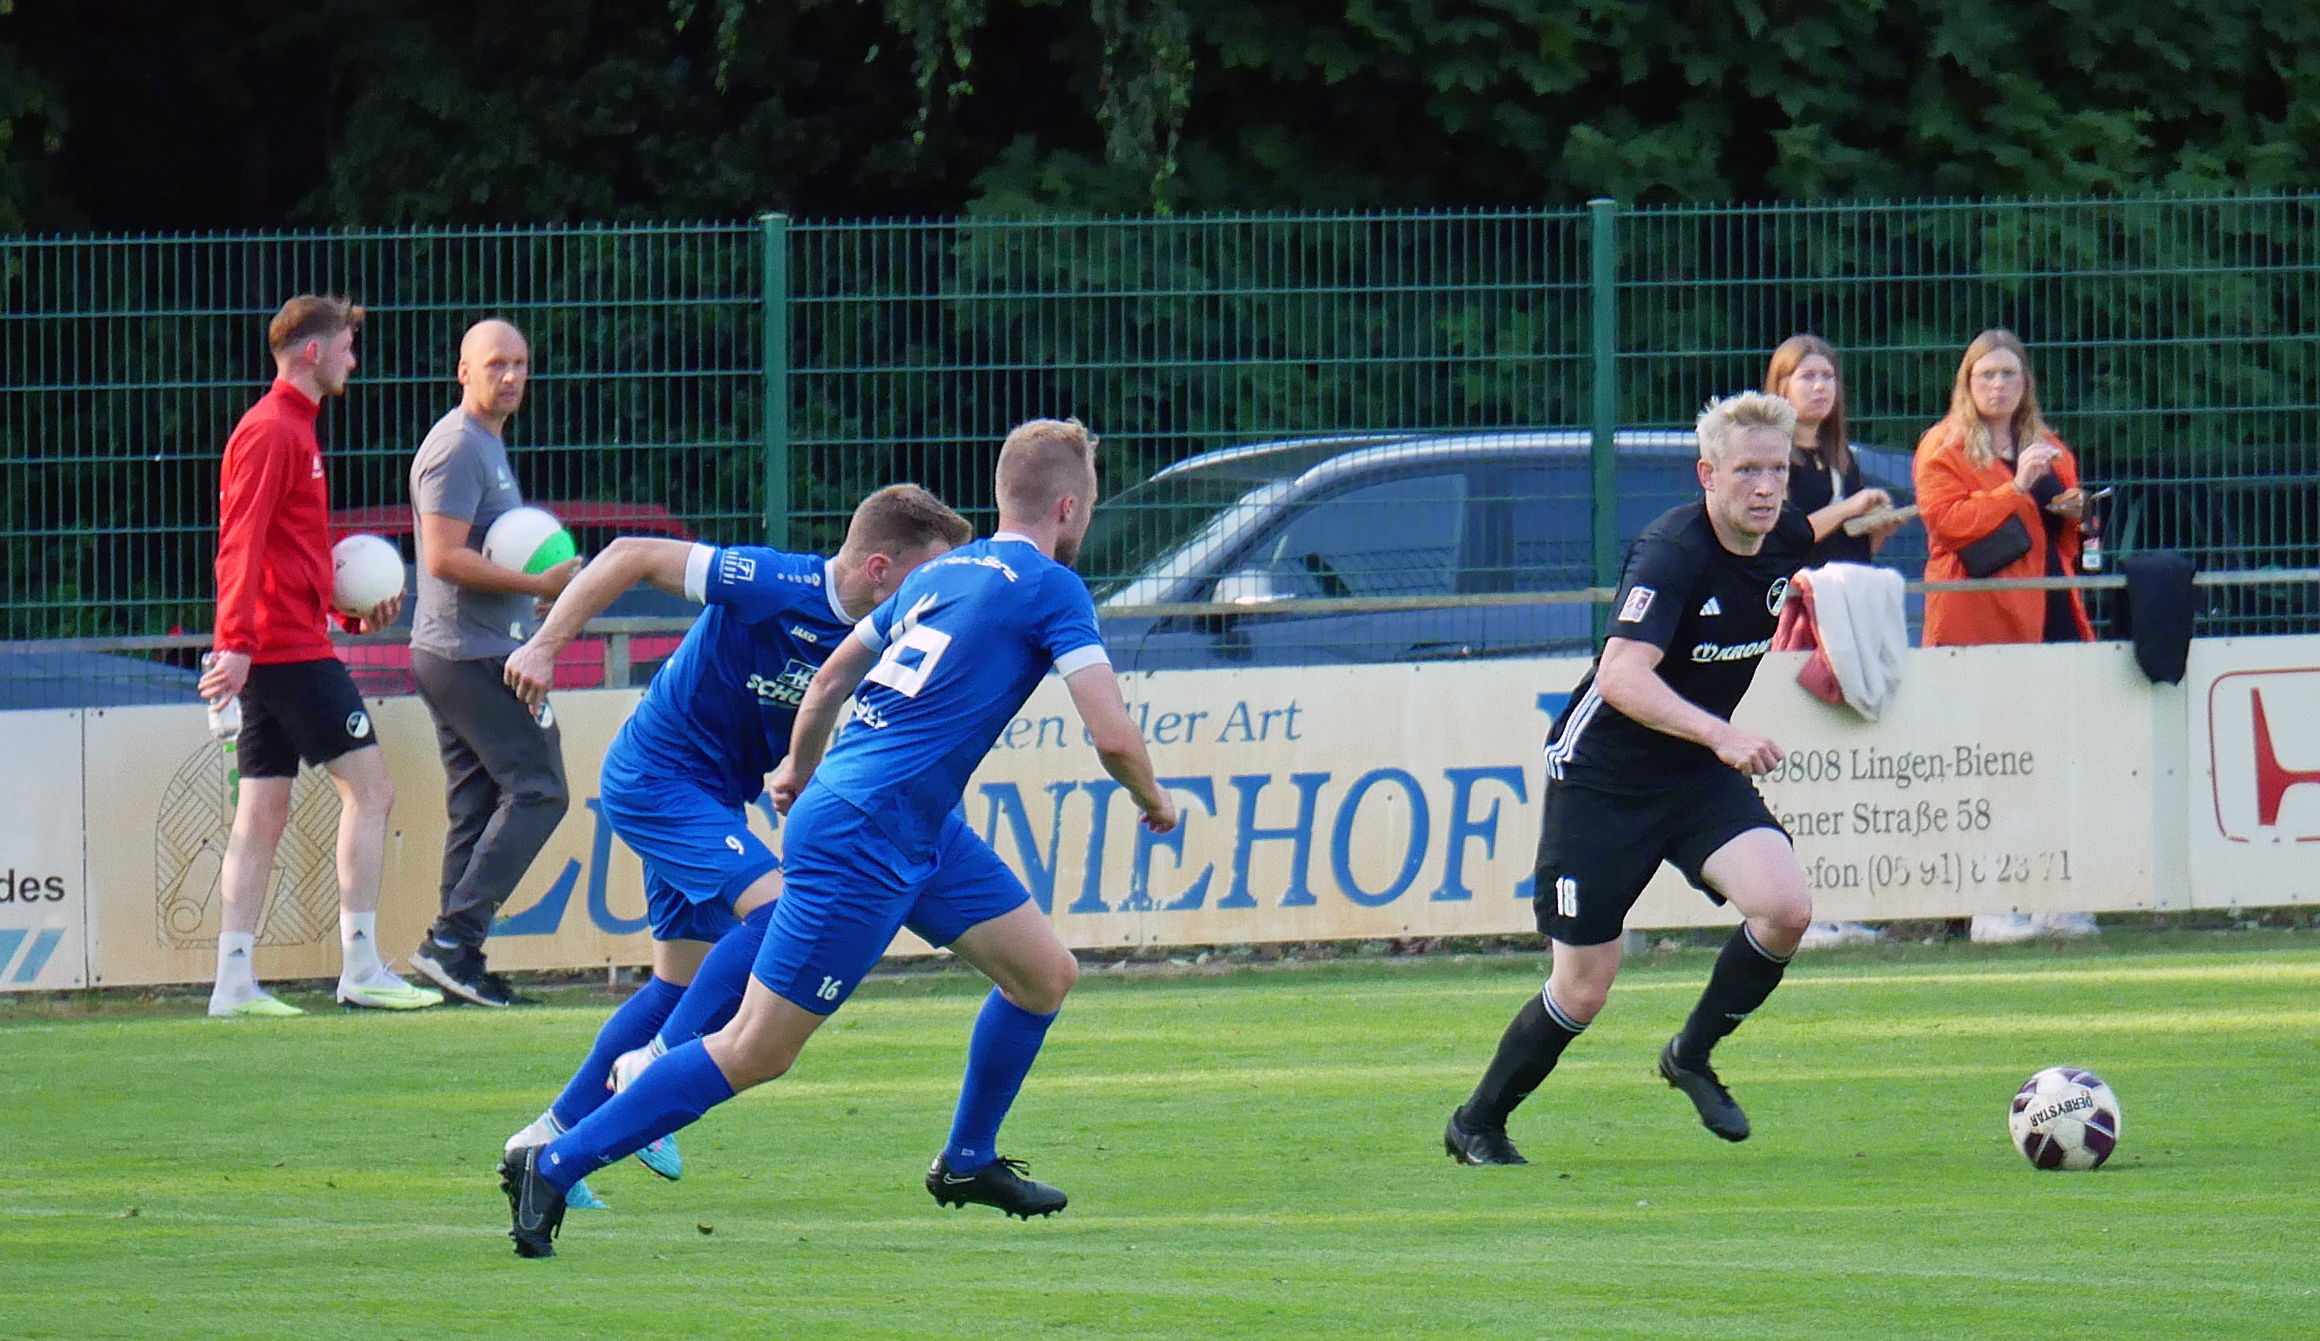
{"x": 1603, "y": 454}
{"x": 774, "y": 241}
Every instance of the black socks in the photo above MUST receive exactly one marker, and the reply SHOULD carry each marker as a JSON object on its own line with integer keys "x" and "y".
{"x": 1745, "y": 974}
{"x": 1527, "y": 1052}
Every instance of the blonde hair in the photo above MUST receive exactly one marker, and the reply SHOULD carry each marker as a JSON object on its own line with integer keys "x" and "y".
{"x": 903, "y": 519}
{"x": 1042, "y": 461}
{"x": 1964, "y": 420}
{"x": 1835, "y": 452}
{"x": 1738, "y": 414}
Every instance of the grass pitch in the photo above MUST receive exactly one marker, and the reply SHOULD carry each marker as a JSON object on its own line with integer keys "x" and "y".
{"x": 1251, "y": 1154}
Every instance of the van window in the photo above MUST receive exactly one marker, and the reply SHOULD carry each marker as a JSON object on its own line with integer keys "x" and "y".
{"x": 1396, "y": 538}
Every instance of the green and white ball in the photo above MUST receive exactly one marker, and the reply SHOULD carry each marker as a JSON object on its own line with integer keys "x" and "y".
{"x": 529, "y": 540}
{"x": 366, "y": 572}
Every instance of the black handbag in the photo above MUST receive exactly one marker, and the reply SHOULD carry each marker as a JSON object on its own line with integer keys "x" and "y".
{"x": 1997, "y": 549}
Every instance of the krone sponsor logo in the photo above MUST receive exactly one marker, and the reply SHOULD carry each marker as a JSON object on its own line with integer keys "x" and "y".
{"x": 1731, "y": 651}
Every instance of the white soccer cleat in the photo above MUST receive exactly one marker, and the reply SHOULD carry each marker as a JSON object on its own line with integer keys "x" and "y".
{"x": 631, "y": 1064}
{"x": 541, "y": 1130}
{"x": 383, "y": 990}
{"x": 260, "y": 1005}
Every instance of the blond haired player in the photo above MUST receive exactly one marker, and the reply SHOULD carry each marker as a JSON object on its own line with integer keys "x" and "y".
{"x": 1645, "y": 766}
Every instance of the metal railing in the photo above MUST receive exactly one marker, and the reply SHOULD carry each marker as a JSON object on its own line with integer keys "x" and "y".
{"x": 615, "y": 665}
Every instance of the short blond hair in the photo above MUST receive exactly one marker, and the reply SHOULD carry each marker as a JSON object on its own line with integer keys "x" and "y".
{"x": 1042, "y": 461}
{"x": 1739, "y": 414}
{"x": 903, "y": 519}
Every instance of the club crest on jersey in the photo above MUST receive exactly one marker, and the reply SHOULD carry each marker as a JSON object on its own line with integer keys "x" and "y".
{"x": 1638, "y": 604}
{"x": 788, "y": 688}
{"x": 1713, "y": 607}
{"x": 736, "y": 567}
{"x": 358, "y": 725}
{"x": 1776, "y": 595}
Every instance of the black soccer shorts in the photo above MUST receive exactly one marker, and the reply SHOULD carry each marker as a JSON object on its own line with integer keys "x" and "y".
{"x": 1597, "y": 849}
{"x": 300, "y": 710}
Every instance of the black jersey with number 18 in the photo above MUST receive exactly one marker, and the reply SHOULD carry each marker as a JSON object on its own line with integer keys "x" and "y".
{"x": 1711, "y": 613}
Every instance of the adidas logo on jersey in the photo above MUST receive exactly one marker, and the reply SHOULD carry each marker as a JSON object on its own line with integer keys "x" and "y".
{"x": 1711, "y": 608}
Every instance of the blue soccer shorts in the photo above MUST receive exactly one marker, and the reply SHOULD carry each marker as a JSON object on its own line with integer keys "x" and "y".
{"x": 846, "y": 889}
{"x": 699, "y": 855}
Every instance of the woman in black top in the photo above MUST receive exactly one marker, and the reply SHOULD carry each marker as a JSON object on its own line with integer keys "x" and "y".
{"x": 1824, "y": 478}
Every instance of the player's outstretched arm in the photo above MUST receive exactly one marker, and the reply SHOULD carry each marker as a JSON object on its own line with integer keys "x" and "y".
{"x": 1095, "y": 691}
{"x": 1628, "y": 678}
{"x": 817, "y": 718}
{"x": 625, "y": 562}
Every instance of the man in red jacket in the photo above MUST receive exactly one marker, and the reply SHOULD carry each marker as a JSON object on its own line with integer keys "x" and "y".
{"x": 273, "y": 653}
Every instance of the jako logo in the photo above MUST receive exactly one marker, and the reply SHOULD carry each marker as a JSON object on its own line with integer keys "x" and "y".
{"x": 2263, "y": 739}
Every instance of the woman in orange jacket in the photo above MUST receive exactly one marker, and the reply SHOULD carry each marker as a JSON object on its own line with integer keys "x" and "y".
{"x": 1999, "y": 496}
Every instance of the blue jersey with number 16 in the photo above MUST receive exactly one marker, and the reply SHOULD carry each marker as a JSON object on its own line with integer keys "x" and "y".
{"x": 961, "y": 645}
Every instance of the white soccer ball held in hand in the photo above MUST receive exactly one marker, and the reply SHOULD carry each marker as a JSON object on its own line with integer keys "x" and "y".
{"x": 529, "y": 540}
{"x": 366, "y": 573}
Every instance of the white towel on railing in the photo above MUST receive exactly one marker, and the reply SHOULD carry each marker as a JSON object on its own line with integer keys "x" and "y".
{"x": 1864, "y": 627}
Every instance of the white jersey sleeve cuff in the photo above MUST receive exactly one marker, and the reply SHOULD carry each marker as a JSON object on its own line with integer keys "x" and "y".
{"x": 867, "y": 633}
{"x": 1073, "y": 662}
{"x": 697, "y": 573}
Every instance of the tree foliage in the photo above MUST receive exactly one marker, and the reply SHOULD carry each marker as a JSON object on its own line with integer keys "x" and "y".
{"x": 421, "y": 111}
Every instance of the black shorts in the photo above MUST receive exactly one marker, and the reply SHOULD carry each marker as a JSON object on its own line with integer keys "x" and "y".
{"x": 297, "y": 710}
{"x": 1597, "y": 849}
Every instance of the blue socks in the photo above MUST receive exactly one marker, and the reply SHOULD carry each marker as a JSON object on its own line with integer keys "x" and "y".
{"x": 631, "y": 1026}
{"x": 718, "y": 984}
{"x": 1005, "y": 1044}
{"x": 673, "y": 1092}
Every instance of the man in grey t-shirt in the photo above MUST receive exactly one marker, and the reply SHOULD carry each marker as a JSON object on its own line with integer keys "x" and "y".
{"x": 503, "y": 765}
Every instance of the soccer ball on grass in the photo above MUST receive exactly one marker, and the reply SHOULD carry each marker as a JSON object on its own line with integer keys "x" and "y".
{"x": 2065, "y": 1118}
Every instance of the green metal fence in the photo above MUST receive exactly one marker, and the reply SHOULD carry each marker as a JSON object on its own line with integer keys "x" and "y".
{"x": 2174, "y": 342}
{"x": 127, "y": 361}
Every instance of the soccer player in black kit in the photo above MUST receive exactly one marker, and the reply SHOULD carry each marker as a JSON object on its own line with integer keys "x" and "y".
{"x": 1645, "y": 766}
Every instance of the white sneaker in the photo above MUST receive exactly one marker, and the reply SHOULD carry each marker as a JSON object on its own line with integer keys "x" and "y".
{"x": 2001, "y": 928}
{"x": 1822, "y": 935}
{"x": 383, "y": 990}
{"x": 631, "y": 1064}
{"x": 2064, "y": 924}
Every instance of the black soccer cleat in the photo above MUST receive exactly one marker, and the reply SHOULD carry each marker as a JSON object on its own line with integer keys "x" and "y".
{"x": 534, "y": 1204}
{"x": 1470, "y": 1145}
{"x": 1719, "y": 1111}
{"x": 1000, "y": 1183}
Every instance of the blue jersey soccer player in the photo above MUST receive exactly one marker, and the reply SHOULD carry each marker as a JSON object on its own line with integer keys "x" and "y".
{"x": 712, "y": 724}
{"x": 874, "y": 842}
